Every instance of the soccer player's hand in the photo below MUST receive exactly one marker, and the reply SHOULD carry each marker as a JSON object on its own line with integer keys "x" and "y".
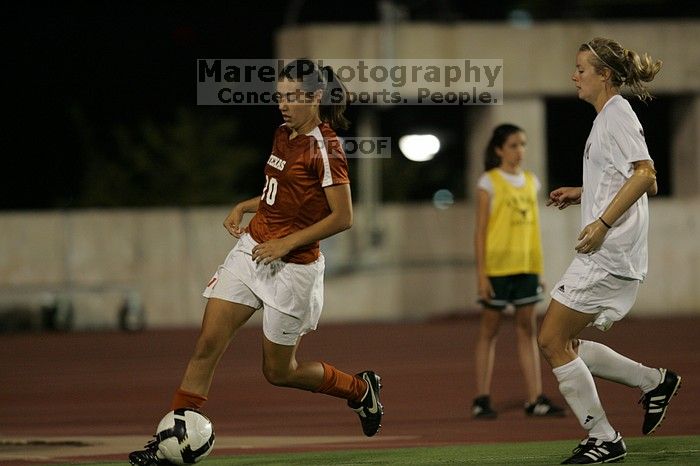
{"x": 233, "y": 222}
{"x": 271, "y": 250}
{"x": 564, "y": 197}
{"x": 591, "y": 237}
{"x": 485, "y": 289}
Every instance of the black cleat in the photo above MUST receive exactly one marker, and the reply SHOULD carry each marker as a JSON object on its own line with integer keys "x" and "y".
{"x": 481, "y": 408}
{"x": 656, "y": 401}
{"x": 369, "y": 409}
{"x": 594, "y": 451}
{"x": 148, "y": 456}
{"x": 543, "y": 406}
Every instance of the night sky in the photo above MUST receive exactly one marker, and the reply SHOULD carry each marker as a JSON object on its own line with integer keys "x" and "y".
{"x": 118, "y": 61}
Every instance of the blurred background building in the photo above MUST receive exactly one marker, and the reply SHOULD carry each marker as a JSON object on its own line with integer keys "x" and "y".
{"x": 115, "y": 182}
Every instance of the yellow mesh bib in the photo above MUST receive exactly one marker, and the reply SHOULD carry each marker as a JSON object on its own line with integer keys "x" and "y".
{"x": 513, "y": 243}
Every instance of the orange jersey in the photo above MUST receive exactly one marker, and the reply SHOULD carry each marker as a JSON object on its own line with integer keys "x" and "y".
{"x": 293, "y": 196}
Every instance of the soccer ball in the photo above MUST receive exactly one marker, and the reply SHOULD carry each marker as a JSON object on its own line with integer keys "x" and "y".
{"x": 185, "y": 436}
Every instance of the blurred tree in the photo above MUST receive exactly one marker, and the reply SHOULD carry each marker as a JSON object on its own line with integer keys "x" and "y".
{"x": 196, "y": 159}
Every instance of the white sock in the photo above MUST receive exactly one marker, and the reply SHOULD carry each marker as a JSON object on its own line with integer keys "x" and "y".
{"x": 577, "y": 386}
{"x": 605, "y": 363}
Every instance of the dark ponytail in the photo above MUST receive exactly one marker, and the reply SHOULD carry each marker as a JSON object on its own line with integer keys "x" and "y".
{"x": 498, "y": 138}
{"x": 334, "y": 98}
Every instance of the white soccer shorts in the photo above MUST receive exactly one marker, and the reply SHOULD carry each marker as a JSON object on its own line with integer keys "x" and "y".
{"x": 587, "y": 287}
{"x": 290, "y": 295}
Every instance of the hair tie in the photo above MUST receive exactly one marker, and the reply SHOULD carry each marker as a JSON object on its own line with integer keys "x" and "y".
{"x": 622, "y": 76}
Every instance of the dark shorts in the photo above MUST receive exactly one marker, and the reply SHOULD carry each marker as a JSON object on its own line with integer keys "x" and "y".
{"x": 518, "y": 290}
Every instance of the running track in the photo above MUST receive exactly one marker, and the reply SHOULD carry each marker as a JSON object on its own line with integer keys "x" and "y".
{"x": 88, "y": 386}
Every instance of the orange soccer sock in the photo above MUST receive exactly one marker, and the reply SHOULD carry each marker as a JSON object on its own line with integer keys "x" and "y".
{"x": 185, "y": 399}
{"x": 341, "y": 385}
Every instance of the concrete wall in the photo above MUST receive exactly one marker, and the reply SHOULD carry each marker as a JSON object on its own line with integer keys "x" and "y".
{"x": 423, "y": 268}
{"x": 537, "y": 60}
{"x": 99, "y": 258}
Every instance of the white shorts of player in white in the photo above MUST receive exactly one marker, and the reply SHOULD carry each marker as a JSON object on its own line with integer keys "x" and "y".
{"x": 290, "y": 295}
{"x": 586, "y": 287}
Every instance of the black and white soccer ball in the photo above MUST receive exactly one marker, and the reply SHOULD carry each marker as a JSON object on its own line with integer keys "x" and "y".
{"x": 185, "y": 436}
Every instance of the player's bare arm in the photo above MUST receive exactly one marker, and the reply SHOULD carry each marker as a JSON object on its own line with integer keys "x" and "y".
{"x": 642, "y": 181}
{"x": 654, "y": 188}
{"x": 484, "y": 287}
{"x": 232, "y": 223}
{"x": 565, "y": 196}
{"x": 340, "y": 218}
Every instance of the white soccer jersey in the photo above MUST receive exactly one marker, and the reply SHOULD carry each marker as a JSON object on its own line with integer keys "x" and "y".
{"x": 615, "y": 142}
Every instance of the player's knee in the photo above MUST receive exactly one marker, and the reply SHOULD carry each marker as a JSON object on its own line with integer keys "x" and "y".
{"x": 548, "y": 345}
{"x": 525, "y": 325}
{"x": 488, "y": 328}
{"x": 276, "y": 376}
{"x": 553, "y": 349}
{"x": 208, "y": 347}
{"x": 488, "y": 332}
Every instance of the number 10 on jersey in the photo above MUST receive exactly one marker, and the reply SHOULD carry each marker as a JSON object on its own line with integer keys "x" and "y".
{"x": 270, "y": 190}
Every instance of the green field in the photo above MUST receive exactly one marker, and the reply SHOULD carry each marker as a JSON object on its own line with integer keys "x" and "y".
{"x": 648, "y": 450}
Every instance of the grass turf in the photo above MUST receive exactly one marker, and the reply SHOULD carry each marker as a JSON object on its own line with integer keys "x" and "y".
{"x": 641, "y": 451}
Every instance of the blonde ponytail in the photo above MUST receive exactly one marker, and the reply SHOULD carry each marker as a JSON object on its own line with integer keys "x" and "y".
{"x": 640, "y": 68}
{"x": 627, "y": 66}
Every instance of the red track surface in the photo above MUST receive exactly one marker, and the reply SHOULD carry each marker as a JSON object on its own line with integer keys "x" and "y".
{"x": 111, "y": 383}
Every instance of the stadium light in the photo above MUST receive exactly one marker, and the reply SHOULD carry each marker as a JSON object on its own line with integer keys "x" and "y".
{"x": 419, "y": 147}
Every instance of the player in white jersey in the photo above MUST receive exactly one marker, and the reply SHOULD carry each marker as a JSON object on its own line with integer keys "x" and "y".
{"x": 600, "y": 286}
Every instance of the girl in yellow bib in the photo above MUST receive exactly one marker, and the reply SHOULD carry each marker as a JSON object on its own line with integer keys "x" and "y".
{"x": 508, "y": 254}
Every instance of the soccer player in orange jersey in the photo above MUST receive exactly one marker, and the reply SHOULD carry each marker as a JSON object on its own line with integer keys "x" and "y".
{"x": 276, "y": 265}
